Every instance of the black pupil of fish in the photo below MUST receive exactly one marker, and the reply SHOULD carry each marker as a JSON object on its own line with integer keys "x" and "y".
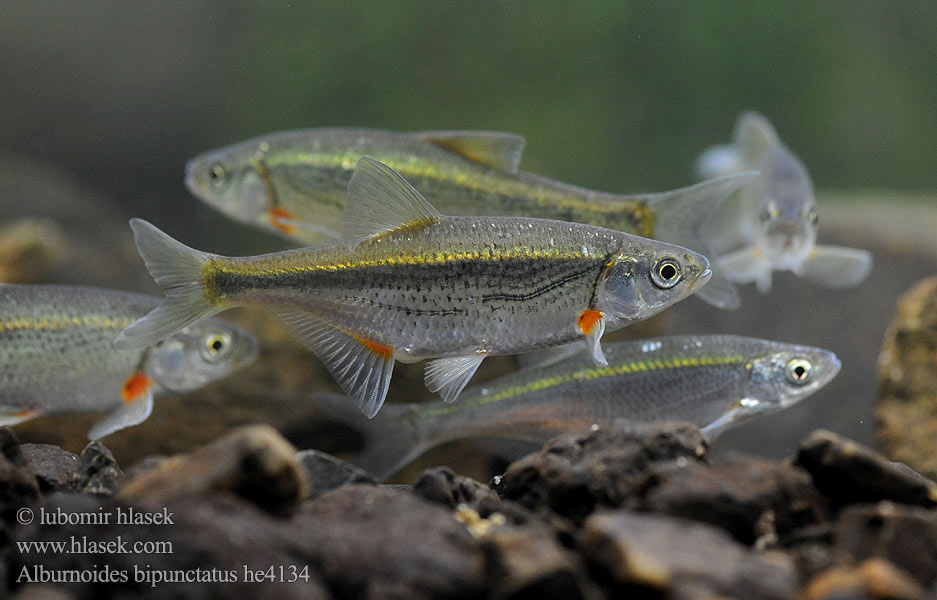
{"x": 668, "y": 272}
{"x": 217, "y": 345}
{"x": 800, "y": 371}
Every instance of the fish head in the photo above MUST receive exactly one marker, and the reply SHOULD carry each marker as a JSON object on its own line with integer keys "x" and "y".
{"x": 233, "y": 180}
{"x": 200, "y": 353}
{"x": 788, "y": 218}
{"x": 647, "y": 277}
{"x": 788, "y": 374}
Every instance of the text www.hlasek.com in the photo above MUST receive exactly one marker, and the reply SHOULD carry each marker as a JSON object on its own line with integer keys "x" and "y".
{"x": 82, "y": 545}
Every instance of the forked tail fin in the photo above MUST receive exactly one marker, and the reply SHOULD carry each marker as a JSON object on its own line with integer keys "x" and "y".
{"x": 391, "y": 439}
{"x": 680, "y": 219}
{"x": 177, "y": 269}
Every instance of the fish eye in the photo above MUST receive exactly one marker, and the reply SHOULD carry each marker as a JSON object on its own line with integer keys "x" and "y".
{"x": 798, "y": 371}
{"x": 218, "y": 176}
{"x": 666, "y": 273}
{"x": 215, "y": 346}
{"x": 813, "y": 216}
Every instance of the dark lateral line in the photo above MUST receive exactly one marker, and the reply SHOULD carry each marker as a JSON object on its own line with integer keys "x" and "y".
{"x": 537, "y": 292}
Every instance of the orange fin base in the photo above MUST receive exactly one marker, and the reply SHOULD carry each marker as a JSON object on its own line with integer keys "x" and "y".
{"x": 588, "y": 318}
{"x": 135, "y": 387}
{"x": 280, "y": 218}
{"x": 379, "y": 348}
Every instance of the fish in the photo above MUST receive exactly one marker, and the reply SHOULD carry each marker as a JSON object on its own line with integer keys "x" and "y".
{"x": 407, "y": 283}
{"x": 57, "y": 355}
{"x": 294, "y": 183}
{"x": 770, "y": 224}
{"x": 714, "y": 381}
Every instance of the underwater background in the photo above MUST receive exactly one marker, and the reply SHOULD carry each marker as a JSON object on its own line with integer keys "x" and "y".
{"x": 103, "y": 104}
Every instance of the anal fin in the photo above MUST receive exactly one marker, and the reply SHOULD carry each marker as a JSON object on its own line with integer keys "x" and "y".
{"x": 490, "y": 148}
{"x": 360, "y": 365}
{"x": 10, "y": 417}
{"x": 449, "y": 376}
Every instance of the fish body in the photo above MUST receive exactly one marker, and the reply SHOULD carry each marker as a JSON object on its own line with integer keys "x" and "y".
{"x": 57, "y": 355}
{"x": 770, "y": 224}
{"x": 715, "y": 381}
{"x": 295, "y": 183}
{"x": 408, "y": 284}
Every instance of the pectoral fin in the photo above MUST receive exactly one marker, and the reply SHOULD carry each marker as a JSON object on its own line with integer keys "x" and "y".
{"x": 360, "y": 365}
{"x": 836, "y": 266}
{"x": 744, "y": 266}
{"x": 379, "y": 201}
{"x": 490, "y": 148}
{"x": 720, "y": 292}
{"x": 10, "y": 417}
{"x": 137, "y": 396}
{"x": 753, "y": 135}
{"x": 592, "y": 325}
{"x": 286, "y": 222}
{"x": 449, "y": 376}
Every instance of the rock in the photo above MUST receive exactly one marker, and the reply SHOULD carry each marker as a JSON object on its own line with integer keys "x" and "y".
{"x": 443, "y": 486}
{"x": 608, "y": 466}
{"x": 376, "y": 542}
{"x": 810, "y": 547}
{"x": 30, "y": 250}
{"x": 529, "y": 562}
{"x": 749, "y": 497}
{"x": 205, "y": 546}
{"x": 97, "y": 471}
{"x": 677, "y": 558}
{"x": 254, "y": 463}
{"x": 875, "y": 579}
{"x": 903, "y": 535}
{"x": 907, "y": 389}
{"x": 54, "y": 467}
{"x": 18, "y": 486}
{"x": 42, "y": 592}
{"x": 848, "y": 472}
{"x": 325, "y": 472}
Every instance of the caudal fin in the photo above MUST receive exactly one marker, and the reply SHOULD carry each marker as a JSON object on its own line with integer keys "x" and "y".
{"x": 681, "y": 218}
{"x": 391, "y": 439}
{"x": 176, "y": 268}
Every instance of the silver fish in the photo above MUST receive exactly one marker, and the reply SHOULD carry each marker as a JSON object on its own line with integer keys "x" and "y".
{"x": 407, "y": 283}
{"x": 771, "y": 223}
{"x": 715, "y": 381}
{"x": 295, "y": 183}
{"x": 57, "y": 355}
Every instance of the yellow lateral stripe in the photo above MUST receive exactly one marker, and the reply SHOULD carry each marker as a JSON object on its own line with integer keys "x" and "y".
{"x": 218, "y": 265}
{"x": 60, "y": 321}
{"x": 589, "y": 374}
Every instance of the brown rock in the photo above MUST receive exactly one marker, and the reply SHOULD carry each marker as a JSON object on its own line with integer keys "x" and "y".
{"x": 681, "y": 559}
{"x": 528, "y": 562}
{"x": 875, "y": 579}
{"x": 376, "y": 542}
{"x": 254, "y": 463}
{"x": 98, "y": 472}
{"x": 443, "y": 486}
{"x": 905, "y": 536}
{"x": 907, "y": 404}
{"x": 748, "y": 497}
{"x": 608, "y": 466}
{"x": 848, "y": 472}
{"x": 18, "y": 486}
{"x": 325, "y": 472}
{"x": 54, "y": 467}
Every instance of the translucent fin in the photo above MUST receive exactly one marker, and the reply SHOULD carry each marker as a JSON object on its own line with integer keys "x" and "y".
{"x": 491, "y": 148}
{"x": 176, "y": 268}
{"x": 836, "y": 266}
{"x": 753, "y": 135}
{"x": 125, "y": 415}
{"x": 724, "y": 422}
{"x": 718, "y": 161}
{"x": 594, "y": 343}
{"x": 380, "y": 200}
{"x": 449, "y": 376}
{"x": 391, "y": 439}
{"x": 720, "y": 292}
{"x": 286, "y": 223}
{"x": 744, "y": 266}
{"x": 682, "y": 216}
{"x": 12, "y": 417}
{"x": 362, "y": 367}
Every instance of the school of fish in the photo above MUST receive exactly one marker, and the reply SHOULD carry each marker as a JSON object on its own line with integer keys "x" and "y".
{"x": 435, "y": 246}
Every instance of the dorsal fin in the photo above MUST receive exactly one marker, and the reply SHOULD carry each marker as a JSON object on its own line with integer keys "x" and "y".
{"x": 754, "y": 134}
{"x": 490, "y": 148}
{"x": 380, "y": 200}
